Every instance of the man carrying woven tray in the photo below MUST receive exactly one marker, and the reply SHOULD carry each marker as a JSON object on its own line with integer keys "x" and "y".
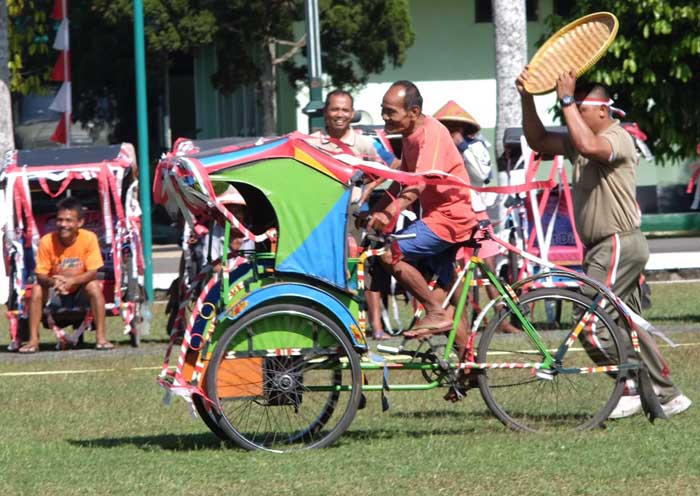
{"x": 605, "y": 209}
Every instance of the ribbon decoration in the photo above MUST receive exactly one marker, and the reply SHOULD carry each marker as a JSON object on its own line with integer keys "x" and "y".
{"x": 602, "y": 101}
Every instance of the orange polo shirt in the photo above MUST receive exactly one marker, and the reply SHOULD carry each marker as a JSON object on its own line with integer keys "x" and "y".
{"x": 53, "y": 258}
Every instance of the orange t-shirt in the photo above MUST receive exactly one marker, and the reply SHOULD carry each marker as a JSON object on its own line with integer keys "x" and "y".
{"x": 53, "y": 258}
{"x": 447, "y": 210}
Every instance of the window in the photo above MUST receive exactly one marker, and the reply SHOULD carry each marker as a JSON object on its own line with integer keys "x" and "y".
{"x": 484, "y": 10}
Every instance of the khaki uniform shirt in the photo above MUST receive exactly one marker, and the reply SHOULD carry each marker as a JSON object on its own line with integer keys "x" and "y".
{"x": 361, "y": 145}
{"x": 605, "y": 194}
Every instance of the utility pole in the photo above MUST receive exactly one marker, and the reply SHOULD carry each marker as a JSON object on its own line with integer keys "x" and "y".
{"x": 314, "y": 109}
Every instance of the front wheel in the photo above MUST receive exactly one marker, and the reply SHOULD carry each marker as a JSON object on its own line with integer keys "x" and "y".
{"x": 285, "y": 377}
{"x": 578, "y": 393}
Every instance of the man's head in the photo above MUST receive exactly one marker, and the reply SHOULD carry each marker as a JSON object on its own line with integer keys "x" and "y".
{"x": 338, "y": 113}
{"x": 69, "y": 219}
{"x": 402, "y": 106}
{"x": 596, "y": 116}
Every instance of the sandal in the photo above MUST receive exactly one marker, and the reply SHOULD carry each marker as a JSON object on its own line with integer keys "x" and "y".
{"x": 28, "y": 349}
{"x": 105, "y": 346}
{"x": 380, "y": 336}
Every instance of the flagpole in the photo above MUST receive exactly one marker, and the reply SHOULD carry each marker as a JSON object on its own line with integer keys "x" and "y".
{"x": 142, "y": 126}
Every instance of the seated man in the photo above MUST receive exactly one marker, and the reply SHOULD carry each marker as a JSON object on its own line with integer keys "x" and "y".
{"x": 66, "y": 270}
{"x": 448, "y": 218}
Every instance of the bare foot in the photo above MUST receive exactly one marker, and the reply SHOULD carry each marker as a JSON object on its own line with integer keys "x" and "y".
{"x": 508, "y": 328}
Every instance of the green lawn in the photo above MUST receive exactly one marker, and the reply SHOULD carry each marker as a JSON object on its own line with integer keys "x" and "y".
{"x": 106, "y": 432}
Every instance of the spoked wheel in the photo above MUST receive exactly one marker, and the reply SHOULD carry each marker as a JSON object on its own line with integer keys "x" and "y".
{"x": 573, "y": 396}
{"x": 283, "y": 378}
{"x": 205, "y": 412}
{"x": 132, "y": 292}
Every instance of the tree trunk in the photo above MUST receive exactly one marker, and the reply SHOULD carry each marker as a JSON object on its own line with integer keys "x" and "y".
{"x": 6, "y": 132}
{"x": 511, "y": 56}
{"x": 267, "y": 91}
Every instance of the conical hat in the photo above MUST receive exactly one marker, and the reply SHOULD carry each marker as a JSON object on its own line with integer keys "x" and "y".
{"x": 231, "y": 196}
{"x": 451, "y": 111}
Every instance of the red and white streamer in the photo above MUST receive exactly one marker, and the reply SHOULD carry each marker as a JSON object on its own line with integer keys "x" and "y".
{"x": 61, "y": 72}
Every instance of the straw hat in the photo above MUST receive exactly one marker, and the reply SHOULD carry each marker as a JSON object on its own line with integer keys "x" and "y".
{"x": 452, "y": 112}
{"x": 577, "y": 46}
{"x": 231, "y": 196}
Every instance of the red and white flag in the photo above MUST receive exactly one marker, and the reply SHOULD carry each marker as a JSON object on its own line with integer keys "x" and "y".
{"x": 63, "y": 102}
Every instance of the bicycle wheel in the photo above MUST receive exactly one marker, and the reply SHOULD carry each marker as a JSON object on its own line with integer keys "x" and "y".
{"x": 283, "y": 378}
{"x": 569, "y": 398}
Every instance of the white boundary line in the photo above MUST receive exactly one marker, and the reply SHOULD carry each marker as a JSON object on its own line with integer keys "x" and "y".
{"x": 69, "y": 372}
{"x": 93, "y": 371}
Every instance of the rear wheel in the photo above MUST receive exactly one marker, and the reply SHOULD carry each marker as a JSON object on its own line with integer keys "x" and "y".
{"x": 132, "y": 292}
{"x": 572, "y": 396}
{"x": 285, "y": 377}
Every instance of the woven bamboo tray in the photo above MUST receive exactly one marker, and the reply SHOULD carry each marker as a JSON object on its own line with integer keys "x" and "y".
{"x": 576, "y": 46}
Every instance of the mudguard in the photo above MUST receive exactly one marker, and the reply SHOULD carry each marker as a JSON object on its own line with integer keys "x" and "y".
{"x": 292, "y": 291}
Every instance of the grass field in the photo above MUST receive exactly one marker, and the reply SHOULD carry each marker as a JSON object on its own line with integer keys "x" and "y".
{"x": 84, "y": 422}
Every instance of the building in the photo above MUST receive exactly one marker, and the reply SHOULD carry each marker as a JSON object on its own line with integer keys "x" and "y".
{"x": 465, "y": 72}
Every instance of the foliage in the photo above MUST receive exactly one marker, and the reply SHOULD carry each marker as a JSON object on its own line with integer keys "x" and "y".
{"x": 30, "y": 35}
{"x": 653, "y": 68}
{"x": 358, "y": 38}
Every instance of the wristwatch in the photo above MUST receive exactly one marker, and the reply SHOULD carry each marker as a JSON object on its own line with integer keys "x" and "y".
{"x": 566, "y": 100}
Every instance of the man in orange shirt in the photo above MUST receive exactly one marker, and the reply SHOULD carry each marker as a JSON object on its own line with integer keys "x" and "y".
{"x": 448, "y": 218}
{"x": 66, "y": 265}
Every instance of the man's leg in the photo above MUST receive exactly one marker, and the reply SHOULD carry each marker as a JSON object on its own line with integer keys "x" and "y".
{"x": 97, "y": 305}
{"x": 618, "y": 262}
{"x": 436, "y": 318}
{"x": 36, "y": 307}
{"x": 505, "y": 326}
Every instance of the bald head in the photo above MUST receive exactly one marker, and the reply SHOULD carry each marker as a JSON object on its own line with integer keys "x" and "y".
{"x": 402, "y": 108}
{"x": 409, "y": 93}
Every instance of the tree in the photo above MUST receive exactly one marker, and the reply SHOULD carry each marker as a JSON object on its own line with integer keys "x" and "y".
{"x": 252, "y": 38}
{"x": 6, "y": 138}
{"x": 358, "y": 37}
{"x": 653, "y": 68}
{"x": 511, "y": 57}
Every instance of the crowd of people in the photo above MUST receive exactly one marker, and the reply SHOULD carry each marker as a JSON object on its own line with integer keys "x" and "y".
{"x": 606, "y": 214}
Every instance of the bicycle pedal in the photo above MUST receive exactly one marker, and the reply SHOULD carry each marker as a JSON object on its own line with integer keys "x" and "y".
{"x": 392, "y": 350}
{"x": 545, "y": 374}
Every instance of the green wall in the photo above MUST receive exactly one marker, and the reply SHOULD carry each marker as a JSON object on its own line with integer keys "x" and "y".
{"x": 449, "y": 45}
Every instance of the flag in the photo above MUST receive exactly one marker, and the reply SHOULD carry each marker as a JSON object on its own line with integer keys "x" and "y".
{"x": 61, "y": 71}
{"x": 62, "y": 41}
{"x": 62, "y": 101}
{"x": 60, "y": 10}
{"x": 60, "y": 135}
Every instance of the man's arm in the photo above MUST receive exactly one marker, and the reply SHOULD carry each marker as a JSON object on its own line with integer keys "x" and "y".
{"x": 45, "y": 280}
{"x": 64, "y": 283}
{"x": 387, "y": 209}
{"x": 536, "y": 135}
{"x": 586, "y": 142}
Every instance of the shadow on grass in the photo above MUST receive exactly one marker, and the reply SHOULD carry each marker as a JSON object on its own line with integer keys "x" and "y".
{"x": 170, "y": 442}
{"x": 440, "y": 414}
{"x": 207, "y": 441}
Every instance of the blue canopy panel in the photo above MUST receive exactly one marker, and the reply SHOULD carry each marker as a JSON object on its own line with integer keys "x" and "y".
{"x": 323, "y": 253}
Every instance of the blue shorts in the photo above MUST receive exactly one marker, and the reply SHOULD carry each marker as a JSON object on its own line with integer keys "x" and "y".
{"x": 428, "y": 252}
